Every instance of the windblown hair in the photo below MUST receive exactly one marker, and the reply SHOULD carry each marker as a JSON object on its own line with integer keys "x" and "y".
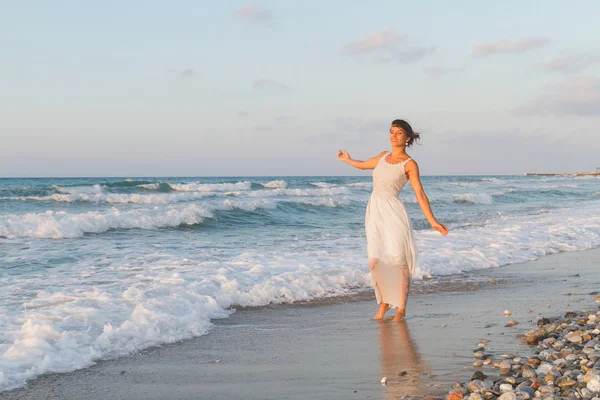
{"x": 405, "y": 126}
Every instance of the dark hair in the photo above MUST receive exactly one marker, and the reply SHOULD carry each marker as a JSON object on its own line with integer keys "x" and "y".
{"x": 400, "y": 123}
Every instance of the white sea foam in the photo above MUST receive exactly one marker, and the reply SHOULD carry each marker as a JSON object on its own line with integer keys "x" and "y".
{"x": 321, "y": 184}
{"x": 474, "y": 198}
{"x": 211, "y": 187}
{"x": 327, "y": 202}
{"x": 117, "y": 198}
{"x": 79, "y": 189}
{"x": 510, "y": 240}
{"x": 492, "y": 180}
{"x": 361, "y": 184}
{"x": 300, "y": 192}
{"x": 62, "y": 225}
{"x": 275, "y": 184}
{"x": 151, "y": 186}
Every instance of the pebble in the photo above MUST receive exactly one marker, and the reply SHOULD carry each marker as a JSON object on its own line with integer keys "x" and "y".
{"x": 508, "y": 396}
{"x": 384, "y": 380}
{"x": 506, "y": 387}
{"x": 506, "y": 312}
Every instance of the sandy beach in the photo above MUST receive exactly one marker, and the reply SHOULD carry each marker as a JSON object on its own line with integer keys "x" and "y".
{"x": 332, "y": 350}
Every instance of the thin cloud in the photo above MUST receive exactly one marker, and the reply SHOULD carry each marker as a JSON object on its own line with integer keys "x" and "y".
{"x": 183, "y": 73}
{"x": 254, "y": 13}
{"x": 437, "y": 72}
{"x": 575, "y": 97}
{"x": 187, "y": 73}
{"x": 509, "y": 46}
{"x": 386, "y": 46}
{"x": 570, "y": 63}
{"x": 269, "y": 84}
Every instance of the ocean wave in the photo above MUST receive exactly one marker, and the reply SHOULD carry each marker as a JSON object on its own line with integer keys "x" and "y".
{"x": 361, "y": 184}
{"x": 473, "y": 198}
{"x": 63, "y": 225}
{"x": 159, "y": 303}
{"x": 322, "y": 185}
{"x": 326, "y": 202}
{"x": 211, "y": 187}
{"x": 300, "y": 192}
{"x": 491, "y": 180}
{"x": 91, "y": 189}
{"x": 116, "y": 198}
{"x": 275, "y": 184}
{"x": 510, "y": 240}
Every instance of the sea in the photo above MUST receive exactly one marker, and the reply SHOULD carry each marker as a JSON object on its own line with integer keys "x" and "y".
{"x": 98, "y": 268}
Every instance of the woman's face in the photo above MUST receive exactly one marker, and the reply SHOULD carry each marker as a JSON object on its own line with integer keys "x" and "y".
{"x": 398, "y": 137}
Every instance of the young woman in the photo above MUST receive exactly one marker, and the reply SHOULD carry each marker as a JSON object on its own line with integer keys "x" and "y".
{"x": 391, "y": 248}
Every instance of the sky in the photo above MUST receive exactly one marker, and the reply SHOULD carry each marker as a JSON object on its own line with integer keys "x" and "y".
{"x": 275, "y": 88}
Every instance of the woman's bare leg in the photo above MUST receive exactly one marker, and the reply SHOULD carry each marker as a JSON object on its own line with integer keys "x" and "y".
{"x": 404, "y": 286}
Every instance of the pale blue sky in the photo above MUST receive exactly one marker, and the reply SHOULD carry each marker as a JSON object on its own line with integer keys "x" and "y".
{"x": 133, "y": 88}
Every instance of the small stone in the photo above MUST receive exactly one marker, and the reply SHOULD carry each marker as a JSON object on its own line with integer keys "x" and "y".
{"x": 530, "y": 310}
{"x": 508, "y": 396}
{"x": 529, "y": 373}
{"x": 475, "y": 396}
{"x": 523, "y": 395}
{"x": 505, "y": 365}
{"x": 575, "y": 339}
{"x": 475, "y": 386}
{"x": 512, "y": 322}
{"x": 528, "y": 389}
{"x": 487, "y": 361}
{"x": 543, "y": 321}
{"x": 455, "y": 395}
{"x": 566, "y": 383}
{"x": 593, "y": 385}
{"x": 506, "y": 312}
{"x": 478, "y": 375}
{"x": 478, "y": 355}
{"x": 597, "y": 299}
{"x": 506, "y": 387}
{"x": 477, "y": 364}
{"x": 384, "y": 380}
{"x": 546, "y": 390}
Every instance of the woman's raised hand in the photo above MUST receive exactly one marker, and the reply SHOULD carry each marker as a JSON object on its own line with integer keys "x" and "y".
{"x": 441, "y": 228}
{"x": 343, "y": 155}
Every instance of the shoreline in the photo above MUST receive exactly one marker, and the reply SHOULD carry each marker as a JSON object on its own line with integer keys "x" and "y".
{"x": 282, "y": 351}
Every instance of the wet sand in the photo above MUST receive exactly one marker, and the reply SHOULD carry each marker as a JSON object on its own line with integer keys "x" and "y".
{"x": 332, "y": 350}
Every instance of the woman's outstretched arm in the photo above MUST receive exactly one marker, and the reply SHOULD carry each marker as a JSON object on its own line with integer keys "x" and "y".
{"x": 412, "y": 170}
{"x": 369, "y": 164}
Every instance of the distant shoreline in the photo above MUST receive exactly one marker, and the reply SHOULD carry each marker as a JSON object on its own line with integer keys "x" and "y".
{"x": 564, "y": 174}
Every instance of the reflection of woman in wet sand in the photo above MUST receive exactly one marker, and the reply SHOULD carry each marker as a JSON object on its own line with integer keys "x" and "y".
{"x": 400, "y": 361}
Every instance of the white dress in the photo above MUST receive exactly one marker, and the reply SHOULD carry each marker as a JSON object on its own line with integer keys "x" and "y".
{"x": 390, "y": 239}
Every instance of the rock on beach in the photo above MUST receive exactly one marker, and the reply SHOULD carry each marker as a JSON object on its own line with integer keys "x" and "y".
{"x": 564, "y": 364}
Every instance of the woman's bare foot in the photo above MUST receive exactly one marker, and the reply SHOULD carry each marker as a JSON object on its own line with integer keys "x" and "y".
{"x": 400, "y": 314}
{"x": 383, "y": 308}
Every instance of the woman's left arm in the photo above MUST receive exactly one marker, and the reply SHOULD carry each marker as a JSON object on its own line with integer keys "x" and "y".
{"x": 412, "y": 171}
